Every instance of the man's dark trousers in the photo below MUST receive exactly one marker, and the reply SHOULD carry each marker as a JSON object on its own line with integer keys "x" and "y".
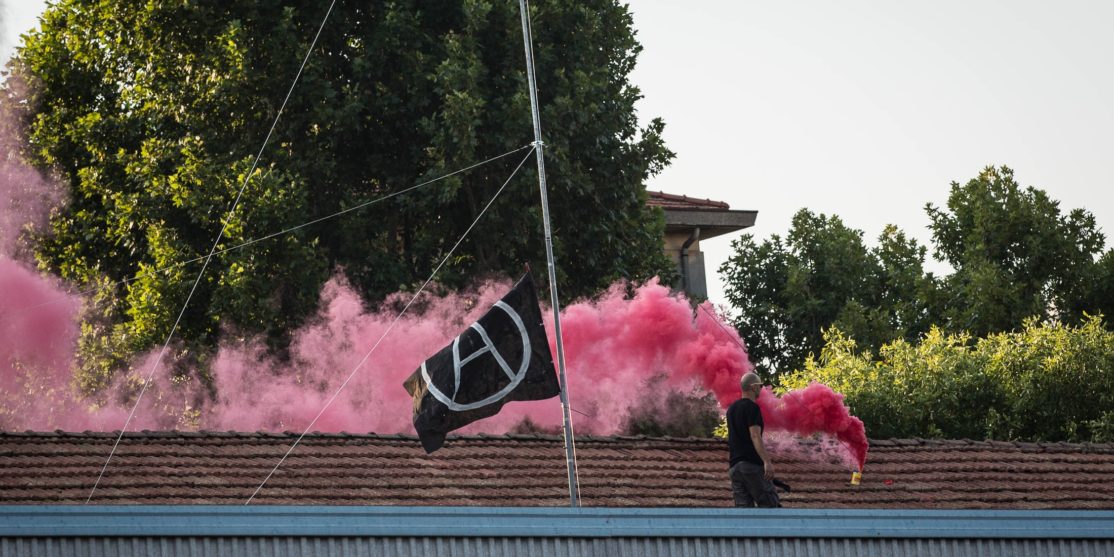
{"x": 750, "y": 486}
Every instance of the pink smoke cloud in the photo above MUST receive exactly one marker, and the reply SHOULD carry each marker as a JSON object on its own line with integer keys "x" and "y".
{"x": 257, "y": 393}
{"x": 614, "y": 346}
{"x": 36, "y": 350}
{"x": 38, "y": 319}
{"x": 621, "y": 352}
{"x": 816, "y": 409}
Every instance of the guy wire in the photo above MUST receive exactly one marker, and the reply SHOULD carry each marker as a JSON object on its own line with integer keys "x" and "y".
{"x": 267, "y": 237}
{"x": 208, "y": 258}
{"x": 390, "y": 327}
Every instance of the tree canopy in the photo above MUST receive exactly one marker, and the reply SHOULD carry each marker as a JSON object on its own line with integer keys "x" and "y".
{"x": 787, "y": 291}
{"x": 152, "y": 112}
{"x": 1014, "y": 255}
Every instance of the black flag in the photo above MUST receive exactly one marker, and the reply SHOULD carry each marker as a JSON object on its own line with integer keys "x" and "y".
{"x": 503, "y": 356}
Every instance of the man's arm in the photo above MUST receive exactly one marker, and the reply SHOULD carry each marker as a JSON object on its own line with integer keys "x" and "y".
{"x": 756, "y": 438}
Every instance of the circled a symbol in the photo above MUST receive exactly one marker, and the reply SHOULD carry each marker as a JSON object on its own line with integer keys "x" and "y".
{"x": 515, "y": 377}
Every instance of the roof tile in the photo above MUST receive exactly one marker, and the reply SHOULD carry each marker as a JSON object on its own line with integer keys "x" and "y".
{"x": 169, "y": 467}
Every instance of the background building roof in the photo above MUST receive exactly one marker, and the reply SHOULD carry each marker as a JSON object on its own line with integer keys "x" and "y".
{"x": 713, "y": 218}
{"x": 671, "y": 201}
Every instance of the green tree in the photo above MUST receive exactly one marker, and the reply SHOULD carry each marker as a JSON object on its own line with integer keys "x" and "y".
{"x": 1014, "y": 254}
{"x": 788, "y": 291}
{"x": 151, "y": 113}
{"x": 1044, "y": 382}
{"x": 910, "y": 297}
{"x": 932, "y": 388}
{"x": 1102, "y": 291}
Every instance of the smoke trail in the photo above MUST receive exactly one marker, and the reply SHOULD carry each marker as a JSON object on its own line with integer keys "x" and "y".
{"x": 629, "y": 359}
{"x": 816, "y": 409}
{"x": 36, "y": 347}
{"x": 644, "y": 360}
{"x": 621, "y": 353}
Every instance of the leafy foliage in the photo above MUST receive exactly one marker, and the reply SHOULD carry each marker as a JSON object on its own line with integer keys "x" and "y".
{"x": 1102, "y": 295}
{"x": 822, "y": 274}
{"x": 1046, "y": 382}
{"x": 151, "y": 113}
{"x": 1015, "y": 255}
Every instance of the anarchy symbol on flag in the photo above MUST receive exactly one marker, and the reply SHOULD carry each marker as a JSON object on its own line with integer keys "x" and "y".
{"x": 515, "y": 377}
{"x": 448, "y": 387}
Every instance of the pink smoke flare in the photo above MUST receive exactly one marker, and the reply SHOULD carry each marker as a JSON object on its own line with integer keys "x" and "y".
{"x": 812, "y": 410}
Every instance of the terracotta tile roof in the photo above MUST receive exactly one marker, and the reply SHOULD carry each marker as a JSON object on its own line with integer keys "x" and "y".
{"x": 671, "y": 201}
{"x": 516, "y": 470}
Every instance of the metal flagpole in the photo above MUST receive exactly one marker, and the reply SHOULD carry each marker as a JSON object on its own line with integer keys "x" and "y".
{"x": 570, "y": 446}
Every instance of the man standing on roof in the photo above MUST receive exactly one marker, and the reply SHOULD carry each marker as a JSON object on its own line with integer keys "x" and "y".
{"x": 751, "y": 467}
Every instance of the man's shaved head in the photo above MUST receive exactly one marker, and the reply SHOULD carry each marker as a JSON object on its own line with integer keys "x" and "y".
{"x": 750, "y": 379}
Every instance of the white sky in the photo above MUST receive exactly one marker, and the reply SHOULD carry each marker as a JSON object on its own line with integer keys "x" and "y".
{"x": 870, "y": 109}
{"x": 864, "y": 109}
{"x": 17, "y": 16}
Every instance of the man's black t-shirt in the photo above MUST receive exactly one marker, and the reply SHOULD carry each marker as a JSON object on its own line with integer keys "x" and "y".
{"x": 742, "y": 414}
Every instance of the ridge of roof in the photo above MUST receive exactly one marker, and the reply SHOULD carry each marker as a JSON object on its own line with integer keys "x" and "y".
{"x": 673, "y": 201}
{"x": 1061, "y": 446}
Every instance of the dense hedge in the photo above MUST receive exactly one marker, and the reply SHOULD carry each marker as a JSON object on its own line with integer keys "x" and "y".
{"x": 1046, "y": 382}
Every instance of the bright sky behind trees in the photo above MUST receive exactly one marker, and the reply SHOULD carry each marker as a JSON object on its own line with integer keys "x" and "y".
{"x": 869, "y": 109}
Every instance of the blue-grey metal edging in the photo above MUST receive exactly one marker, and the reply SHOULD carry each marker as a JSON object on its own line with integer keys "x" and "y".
{"x": 205, "y": 521}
